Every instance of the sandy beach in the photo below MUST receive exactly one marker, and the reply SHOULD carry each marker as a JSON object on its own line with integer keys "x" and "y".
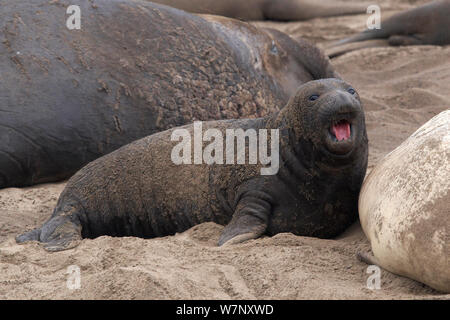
{"x": 401, "y": 89}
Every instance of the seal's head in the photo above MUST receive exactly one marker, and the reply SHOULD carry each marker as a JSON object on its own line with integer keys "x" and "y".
{"x": 327, "y": 118}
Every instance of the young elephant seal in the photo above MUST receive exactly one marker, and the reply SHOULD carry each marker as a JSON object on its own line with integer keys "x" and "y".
{"x": 69, "y": 96}
{"x": 427, "y": 24}
{"x": 139, "y": 191}
{"x": 404, "y": 207}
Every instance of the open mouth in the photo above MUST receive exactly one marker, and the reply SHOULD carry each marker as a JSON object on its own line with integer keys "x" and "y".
{"x": 341, "y": 130}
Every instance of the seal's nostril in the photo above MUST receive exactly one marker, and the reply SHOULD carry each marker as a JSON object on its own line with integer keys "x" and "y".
{"x": 337, "y": 113}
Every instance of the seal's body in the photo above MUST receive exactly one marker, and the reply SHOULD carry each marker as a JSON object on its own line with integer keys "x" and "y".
{"x": 404, "y": 206}
{"x": 427, "y": 24}
{"x": 69, "y": 96}
{"x": 283, "y": 10}
{"x": 139, "y": 191}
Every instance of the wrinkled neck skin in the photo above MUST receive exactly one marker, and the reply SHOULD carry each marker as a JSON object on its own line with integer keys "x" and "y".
{"x": 289, "y": 62}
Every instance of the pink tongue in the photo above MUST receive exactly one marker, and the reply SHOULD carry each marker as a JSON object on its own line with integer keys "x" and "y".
{"x": 341, "y": 130}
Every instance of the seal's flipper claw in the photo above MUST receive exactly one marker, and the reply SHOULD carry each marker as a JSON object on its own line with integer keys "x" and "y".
{"x": 225, "y": 241}
{"x": 242, "y": 229}
{"x": 32, "y": 235}
{"x": 60, "y": 235}
{"x": 61, "y": 244}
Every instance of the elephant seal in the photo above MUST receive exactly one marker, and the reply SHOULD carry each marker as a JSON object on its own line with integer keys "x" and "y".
{"x": 69, "y": 96}
{"x": 427, "y": 24}
{"x": 282, "y": 10}
{"x": 404, "y": 207}
{"x": 139, "y": 190}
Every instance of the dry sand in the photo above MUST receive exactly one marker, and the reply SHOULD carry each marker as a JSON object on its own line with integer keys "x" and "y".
{"x": 401, "y": 89}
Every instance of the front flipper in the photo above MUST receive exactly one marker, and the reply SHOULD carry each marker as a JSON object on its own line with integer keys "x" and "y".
{"x": 32, "y": 235}
{"x": 61, "y": 232}
{"x": 60, "y": 235}
{"x": 249, "y": 220}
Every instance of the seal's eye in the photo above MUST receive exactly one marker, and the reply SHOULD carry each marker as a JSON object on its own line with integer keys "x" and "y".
{"x": 351, "y": 91}
{"x": 313, "y": 97}
{"x": 274, "y": 49}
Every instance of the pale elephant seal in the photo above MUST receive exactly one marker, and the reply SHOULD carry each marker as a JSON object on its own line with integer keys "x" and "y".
{"x": 427, "y": 24}
{"x": 404, "y": 206}
{"x": 139, "y": 190}
{"x": 69, "y": 96}
{"x": 283, "y": 10}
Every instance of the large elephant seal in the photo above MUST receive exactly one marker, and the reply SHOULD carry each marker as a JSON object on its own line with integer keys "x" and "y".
{"x": 427, "y": 24}
{"x": 134, "y": 68}
{"x": 283, "y": 10}
{"x": 139, "y": 190}
{"x": 404, "y": 207}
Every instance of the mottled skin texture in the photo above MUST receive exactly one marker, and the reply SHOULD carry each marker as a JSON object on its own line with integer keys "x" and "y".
{"x": 138, "y": 191}
{"x": 427, "y": 24}
{"x": 404, "y": 207}
{"x": 284, "y": 10}
{"x": 135, "y": 68}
